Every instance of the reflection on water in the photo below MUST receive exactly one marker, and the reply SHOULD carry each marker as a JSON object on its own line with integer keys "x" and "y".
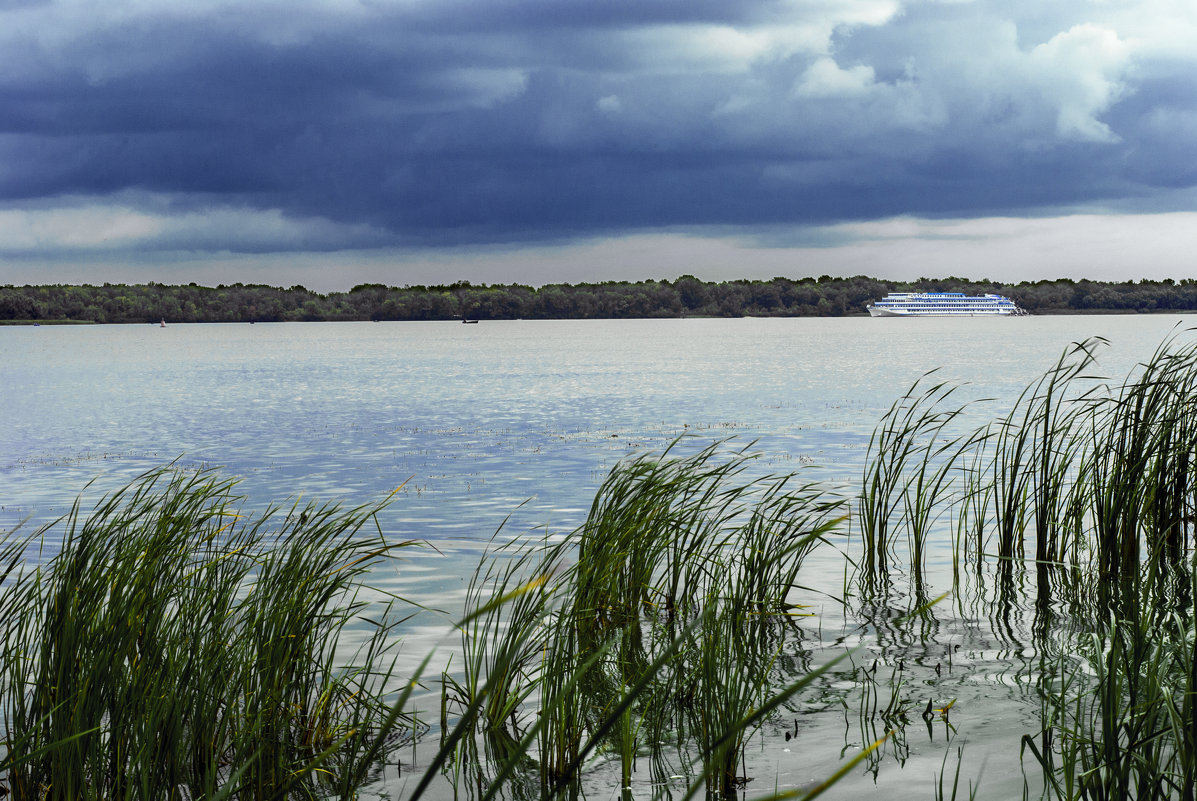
{"x": 513, "y": 425}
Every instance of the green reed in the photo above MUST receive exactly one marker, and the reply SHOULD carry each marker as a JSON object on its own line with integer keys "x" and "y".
{"x": 1141, "y": 496}
{"x": 657, "y": 624}
{"x": 910, "y": 469}
{"x": 651, "y": 533}
{"x": 1121, "y": 722}
{"x": 1093, "y": 474}
{"x": 1034, "y": 452}
{"x": 173, "y": 648}
{"x": 503, "y": 638}
{"x": 940, "y": 793}
{"x": 1092, "y": 481}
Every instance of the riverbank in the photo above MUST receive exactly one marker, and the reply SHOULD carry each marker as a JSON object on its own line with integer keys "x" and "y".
{"x": 684, "y": 297}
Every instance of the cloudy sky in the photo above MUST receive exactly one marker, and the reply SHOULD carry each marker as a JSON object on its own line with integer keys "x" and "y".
{"x": 332, "y": 142}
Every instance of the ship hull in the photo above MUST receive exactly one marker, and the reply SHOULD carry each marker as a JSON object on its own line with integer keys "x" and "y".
{"x": 878, "y": 312}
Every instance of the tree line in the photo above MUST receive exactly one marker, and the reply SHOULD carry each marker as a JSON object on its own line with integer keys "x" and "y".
{"x": 686, "y": 296}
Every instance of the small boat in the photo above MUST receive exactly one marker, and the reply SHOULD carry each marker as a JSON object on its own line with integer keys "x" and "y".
{"x": 163, "y": 323}
{"x": 468, "y": 322}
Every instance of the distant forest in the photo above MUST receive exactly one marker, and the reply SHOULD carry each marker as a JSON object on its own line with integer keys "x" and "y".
{"x": 687, "y": 296}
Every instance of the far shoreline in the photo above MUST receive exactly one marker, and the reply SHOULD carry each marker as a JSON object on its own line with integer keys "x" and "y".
{"x": 683, "y": 297}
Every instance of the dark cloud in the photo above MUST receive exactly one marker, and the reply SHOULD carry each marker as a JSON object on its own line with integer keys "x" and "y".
{"x": 449, "y": 122}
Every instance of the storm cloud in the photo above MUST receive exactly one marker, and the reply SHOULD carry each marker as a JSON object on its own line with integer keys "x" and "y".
{"x": 309, "y": 127}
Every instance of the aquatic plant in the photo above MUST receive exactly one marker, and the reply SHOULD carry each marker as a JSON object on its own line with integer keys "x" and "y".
{"x": 1092, "y": 482}
{"x": 910, "y": 466}
{"x": 174, "y": 648}
{"x": 1119, "y": 717}
{"x": 663, "y": 619}
{"x": 1099, "y": 476}
{"x": 503, "y": 637}
{"x": 659, "y": 621}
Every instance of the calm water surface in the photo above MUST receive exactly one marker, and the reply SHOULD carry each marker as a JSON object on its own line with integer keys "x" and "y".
{"x": 477, "y": 419}
{"x": 524, "y": 419}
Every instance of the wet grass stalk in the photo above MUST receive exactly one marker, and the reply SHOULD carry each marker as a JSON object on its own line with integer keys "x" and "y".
{"x": 940, "y": 793}
{"x": 503, "y": 638}
{"x": 709, "y": 498}
{"x": 762, "y": 562}
{"x": 1096, "y": 475}
{"x": 727, "y": 689}
{"x": 648, "y": 537}
{"x": 619, "y": 666}
{"x": 971, "y": 513}
{"x": 933, "y": 486}
{"x": 1035, "y": 448}
{"x": 1141, "y": 494}
{"x": 1009, "y": 485}
{"x": 629, "y": 731}
{"x": 899, "y": 438}
{"x": 173, "y": 647}
{"x": 1122, "y": 727}
{"x": 1058, "y": 412}
{"x": 565, "y": 717}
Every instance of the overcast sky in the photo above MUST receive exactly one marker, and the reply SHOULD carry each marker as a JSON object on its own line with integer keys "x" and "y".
{"x": 335, "y": 142}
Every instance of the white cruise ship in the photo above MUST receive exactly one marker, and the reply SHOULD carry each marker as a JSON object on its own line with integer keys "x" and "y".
{"x": 951, "y": 304}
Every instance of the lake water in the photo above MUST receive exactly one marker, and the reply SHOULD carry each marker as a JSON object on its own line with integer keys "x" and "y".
{"x": 523, "y": 419}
